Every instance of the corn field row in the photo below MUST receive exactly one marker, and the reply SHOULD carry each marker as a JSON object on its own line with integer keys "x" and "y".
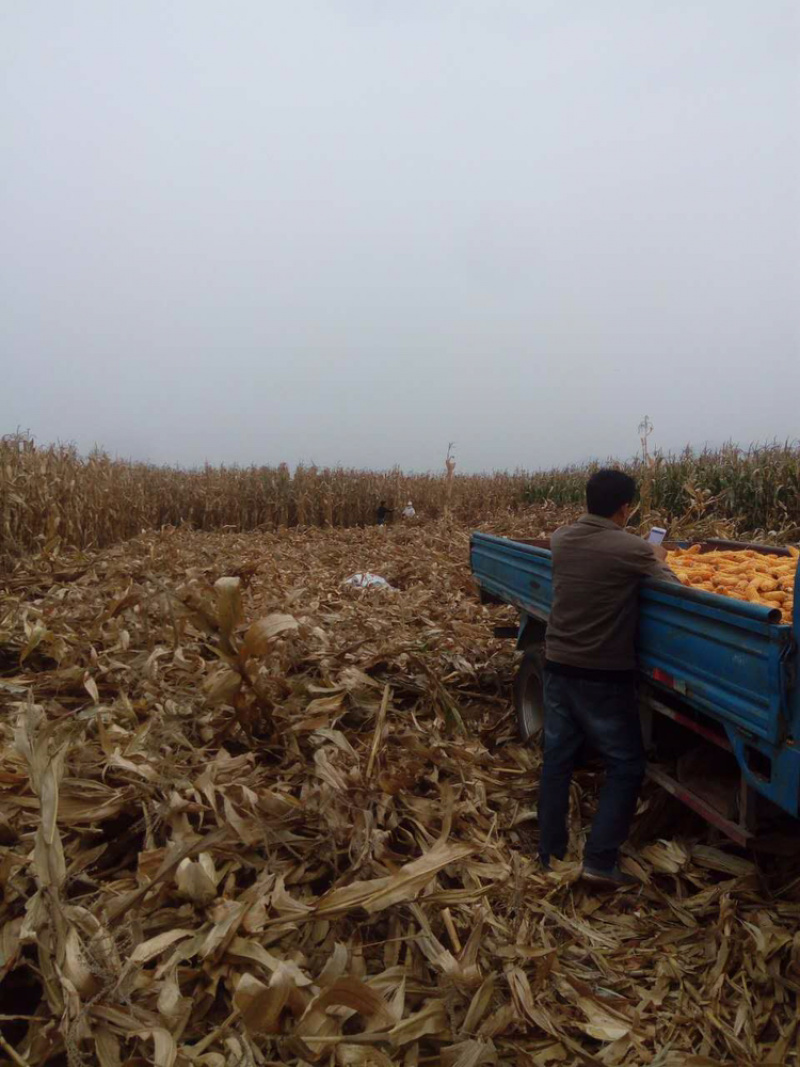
{"x": 755, "y": 490}
{"x": 52, "y": 496}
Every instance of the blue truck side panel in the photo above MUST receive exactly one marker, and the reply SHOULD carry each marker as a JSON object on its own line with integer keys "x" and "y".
{"x": 730, "y": 659}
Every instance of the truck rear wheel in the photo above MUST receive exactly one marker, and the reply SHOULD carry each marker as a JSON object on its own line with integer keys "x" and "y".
{"x": 529, "y": 695}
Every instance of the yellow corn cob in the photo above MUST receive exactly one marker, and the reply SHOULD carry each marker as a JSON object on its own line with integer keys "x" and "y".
{"x": 744, "y": 575}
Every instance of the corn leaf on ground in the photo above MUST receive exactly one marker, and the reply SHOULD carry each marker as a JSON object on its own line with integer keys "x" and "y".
{"x": 240, "y": 824}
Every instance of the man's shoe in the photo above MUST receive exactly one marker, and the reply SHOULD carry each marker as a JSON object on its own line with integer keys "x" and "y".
{"x": 544, "y": 862}
{"x": 613, "y": 879}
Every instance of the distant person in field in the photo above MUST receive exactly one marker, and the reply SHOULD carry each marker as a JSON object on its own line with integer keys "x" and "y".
{"x": 408, "y": 511}
{"x": 383, "y": 513}
{"x": 590, "y": 671}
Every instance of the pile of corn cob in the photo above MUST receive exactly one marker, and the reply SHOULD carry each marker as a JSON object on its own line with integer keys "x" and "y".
{"x": 743, "y": 574}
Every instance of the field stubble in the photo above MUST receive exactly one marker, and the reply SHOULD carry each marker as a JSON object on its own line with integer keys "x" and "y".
{"x": 248, "y": 815}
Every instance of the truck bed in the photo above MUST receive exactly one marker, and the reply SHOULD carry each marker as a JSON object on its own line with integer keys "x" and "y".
{"x": 731, "y": 660}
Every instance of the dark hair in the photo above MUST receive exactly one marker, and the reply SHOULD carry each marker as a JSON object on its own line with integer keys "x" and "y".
{"x": 607, "y": 491}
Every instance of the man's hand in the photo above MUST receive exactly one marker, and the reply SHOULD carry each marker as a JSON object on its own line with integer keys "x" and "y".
{"x": 659, "y": 552}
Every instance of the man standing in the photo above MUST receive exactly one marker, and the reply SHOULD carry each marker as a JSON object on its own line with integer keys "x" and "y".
{"x": 590, "y": 671}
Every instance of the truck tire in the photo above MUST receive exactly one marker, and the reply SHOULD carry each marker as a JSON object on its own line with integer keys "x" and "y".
{"x": 529, "y": 696}
{"x": 529, "y": 702}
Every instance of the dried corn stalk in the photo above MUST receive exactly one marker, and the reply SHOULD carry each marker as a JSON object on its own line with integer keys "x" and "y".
{"x": 306, "y": 861}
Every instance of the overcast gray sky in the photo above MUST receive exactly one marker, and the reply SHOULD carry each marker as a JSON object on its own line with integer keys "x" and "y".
{"x": 354, "y": 230}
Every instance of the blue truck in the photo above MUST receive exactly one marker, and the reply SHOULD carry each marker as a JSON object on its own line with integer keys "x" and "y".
{"x": 719, "y": 690}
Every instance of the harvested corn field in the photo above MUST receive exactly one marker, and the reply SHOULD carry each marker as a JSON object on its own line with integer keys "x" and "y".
{"x": 743, "y": 574}
{"x": 251, "y": 815}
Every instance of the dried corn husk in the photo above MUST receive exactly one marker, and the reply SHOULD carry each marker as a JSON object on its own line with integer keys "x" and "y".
{"x": 248, "y": 816}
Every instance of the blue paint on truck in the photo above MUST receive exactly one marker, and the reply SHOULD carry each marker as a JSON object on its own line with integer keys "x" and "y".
{"x": 731, "y": 661}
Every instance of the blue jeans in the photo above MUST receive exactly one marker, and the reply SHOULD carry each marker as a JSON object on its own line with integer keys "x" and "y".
{"x": 605, "y": 714}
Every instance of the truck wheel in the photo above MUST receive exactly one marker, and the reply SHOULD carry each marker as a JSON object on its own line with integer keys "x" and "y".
{"x": 529, "y": 696}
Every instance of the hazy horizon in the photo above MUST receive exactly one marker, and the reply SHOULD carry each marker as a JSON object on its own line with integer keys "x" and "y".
{"x": 654, "y": 450}
{"x": 349, "y": 234}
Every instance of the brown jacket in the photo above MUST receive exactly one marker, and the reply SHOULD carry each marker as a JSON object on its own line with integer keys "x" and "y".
{"x": 597, "y": 570}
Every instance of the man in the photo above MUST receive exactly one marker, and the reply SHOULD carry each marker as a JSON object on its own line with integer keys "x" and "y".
{"x": 409, "y": 511}
{"x": 383, "y": 513}
{"x": 590, "y": 671}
